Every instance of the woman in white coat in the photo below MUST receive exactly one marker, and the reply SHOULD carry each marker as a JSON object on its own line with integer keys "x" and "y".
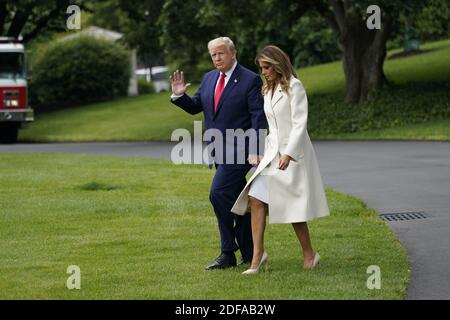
{"x": 286, "y": 184}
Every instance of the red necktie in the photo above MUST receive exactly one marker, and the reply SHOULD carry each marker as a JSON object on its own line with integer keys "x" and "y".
{"x": 219, "y": 90}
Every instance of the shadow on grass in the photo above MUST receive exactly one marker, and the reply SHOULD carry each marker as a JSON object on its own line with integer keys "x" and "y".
{"x": 96, "y": 186}
{"x": 404, "y": 54}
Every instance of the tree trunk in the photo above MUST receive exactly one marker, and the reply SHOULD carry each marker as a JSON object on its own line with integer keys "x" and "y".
{"x": 3, "y": 14}
{"x": 364, "y": 50}
{"x": 363, "y": 67}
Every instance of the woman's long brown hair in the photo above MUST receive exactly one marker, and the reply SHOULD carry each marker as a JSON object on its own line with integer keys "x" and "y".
{"x": 282, "y": 65}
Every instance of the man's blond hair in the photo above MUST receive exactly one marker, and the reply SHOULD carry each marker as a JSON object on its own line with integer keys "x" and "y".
{"x": 222, "y": 41}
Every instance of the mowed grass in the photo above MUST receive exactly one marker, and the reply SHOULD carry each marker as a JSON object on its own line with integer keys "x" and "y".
{"x": 147, "y": 117}
{"x": 432, "y": 65}
{"x": 144, "y": 229}
{"x": 153, "y": 117}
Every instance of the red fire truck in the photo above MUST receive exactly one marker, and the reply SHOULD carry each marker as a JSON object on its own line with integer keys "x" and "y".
{"x": 14, "y": 109}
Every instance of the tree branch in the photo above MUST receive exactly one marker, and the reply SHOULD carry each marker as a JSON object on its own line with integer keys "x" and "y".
{"x": 43, "y": 22}
{"x": 328, "y": 15}
{"x": 339, "y": 14}
{"x": 19, "y": 20}
{"x": 3, "y": 14}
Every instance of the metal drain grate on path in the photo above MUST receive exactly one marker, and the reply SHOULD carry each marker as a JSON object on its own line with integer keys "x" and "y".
{"x": 403, "y": 216}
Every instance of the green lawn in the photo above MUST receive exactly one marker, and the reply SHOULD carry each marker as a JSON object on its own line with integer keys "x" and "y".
{"x": 433, "y": 65}
{"x": 153, "y": 117}
{"x": 147, "y": 117}
{"x": 144, "y": 229}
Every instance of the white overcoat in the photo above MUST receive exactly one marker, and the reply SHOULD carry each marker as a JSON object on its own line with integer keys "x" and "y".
{"x": 295, "y": 194}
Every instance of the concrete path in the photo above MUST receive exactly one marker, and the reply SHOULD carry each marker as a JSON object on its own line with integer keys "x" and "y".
{"x": 390, "y": 177}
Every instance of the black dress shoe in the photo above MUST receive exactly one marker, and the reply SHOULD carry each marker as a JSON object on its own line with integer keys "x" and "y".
{"x": 222, "y": 262}
{"x": 242, "y": 262}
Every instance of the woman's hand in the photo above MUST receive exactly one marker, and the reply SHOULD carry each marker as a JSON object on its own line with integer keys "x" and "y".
{"x": 283, "y": 163}
{"x": 178, "y": 85}
{"x": 254, "y": 159}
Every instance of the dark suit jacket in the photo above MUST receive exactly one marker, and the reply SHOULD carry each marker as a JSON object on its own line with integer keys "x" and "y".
{"x": 241, "y": 106}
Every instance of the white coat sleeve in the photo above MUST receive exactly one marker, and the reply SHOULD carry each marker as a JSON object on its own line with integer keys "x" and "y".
{"x": 299, "y": 118}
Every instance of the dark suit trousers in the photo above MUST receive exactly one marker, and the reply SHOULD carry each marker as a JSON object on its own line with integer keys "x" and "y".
{"x": 226, "y": 187}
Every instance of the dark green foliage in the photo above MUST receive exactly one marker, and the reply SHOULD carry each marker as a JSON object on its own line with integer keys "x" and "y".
{"x": 430, "y": 21}
{"x": 185, "y": 36}
{"x": 137, "y": 20}
{"x": 81, "y": 70}
{"x": 31, "y": 19}
{"x": 394, "y": 106}
{"x": 315, "y": 42}
{"x": 433, "y": 20}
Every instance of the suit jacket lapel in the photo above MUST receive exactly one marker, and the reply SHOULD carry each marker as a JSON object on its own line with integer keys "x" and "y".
{"x": 277, "y": 96}
{"x": 268, "y": 103}
{"x": 234, "y": 80}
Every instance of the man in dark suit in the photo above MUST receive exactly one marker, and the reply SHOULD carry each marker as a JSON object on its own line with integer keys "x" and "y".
{"x": 230, "y": 98}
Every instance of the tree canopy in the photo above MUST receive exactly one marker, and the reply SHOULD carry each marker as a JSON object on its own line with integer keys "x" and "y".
{"x": 32, "y": 18}
{"x": 310, "y": 31}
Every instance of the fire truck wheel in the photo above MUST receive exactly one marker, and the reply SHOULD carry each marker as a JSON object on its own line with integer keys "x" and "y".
{"x": 9, "y": 132}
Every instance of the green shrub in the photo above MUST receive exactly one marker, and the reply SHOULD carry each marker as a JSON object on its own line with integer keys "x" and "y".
{"x": 394, "y": 106}
{"x": 145, "y": 87}
{"x": 81, "y": 70}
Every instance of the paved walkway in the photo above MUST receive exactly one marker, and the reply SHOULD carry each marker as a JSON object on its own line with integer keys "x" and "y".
{"x": 389, "y": 176}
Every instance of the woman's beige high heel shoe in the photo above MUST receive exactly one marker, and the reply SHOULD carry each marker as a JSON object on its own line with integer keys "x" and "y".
{"x": 315, "y": 261}
{"x": 261, "y": 263}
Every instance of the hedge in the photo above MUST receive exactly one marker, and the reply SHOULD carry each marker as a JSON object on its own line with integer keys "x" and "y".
{"x": 396, "y": 105}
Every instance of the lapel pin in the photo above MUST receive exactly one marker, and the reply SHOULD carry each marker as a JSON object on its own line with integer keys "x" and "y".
{"x": 235, "y": 80}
